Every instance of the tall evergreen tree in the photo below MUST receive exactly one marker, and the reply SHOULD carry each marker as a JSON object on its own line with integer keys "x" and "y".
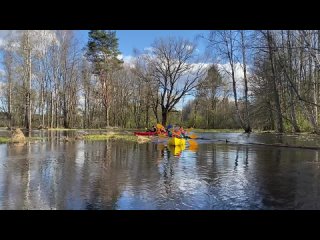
{"x": 103, "y": 52}
{"x": 102, "y": 49}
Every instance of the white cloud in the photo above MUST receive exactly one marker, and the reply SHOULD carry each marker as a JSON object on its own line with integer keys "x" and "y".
{"x": 41, "y": 38}
{"x": 148, "y": 49}
{"x": 129, "y": 61}
{"x": 189, "y": 47}
{"x": 4, "y": 34}
{"x": 199, "y": 66}
{"x": 226, "y": 69}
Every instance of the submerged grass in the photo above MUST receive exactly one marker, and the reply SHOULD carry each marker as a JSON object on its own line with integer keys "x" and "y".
{"x": 95, "y": 137}
{"x": 4, "y": 139}
{"x": 31, "y": 139}
{"x": 28, "y": 139}
{"x": 62, "y": 129}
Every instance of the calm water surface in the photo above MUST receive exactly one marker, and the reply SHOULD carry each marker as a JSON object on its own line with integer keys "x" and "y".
{"x": 125, "y": 175}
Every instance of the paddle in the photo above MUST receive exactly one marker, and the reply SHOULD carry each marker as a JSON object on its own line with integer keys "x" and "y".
{"x": 193, "y": 145}
{"x": 193, "y": 142}
{"x": 193, "y": 136}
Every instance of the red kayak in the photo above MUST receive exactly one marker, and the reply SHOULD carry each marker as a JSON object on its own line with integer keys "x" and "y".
{"x": 144, "y": 133}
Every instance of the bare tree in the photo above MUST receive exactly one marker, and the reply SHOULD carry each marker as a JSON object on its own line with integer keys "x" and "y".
{"x": 244, "y": 47}
{"x": 9, "y": 71}
{"x": 224, "y": 42}
{"x": 172, "y": 64}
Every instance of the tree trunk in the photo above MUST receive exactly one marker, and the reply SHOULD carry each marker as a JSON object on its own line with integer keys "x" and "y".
{"x": 164, "y": 116}
{"x": 107, "y": 115}
{"x": 195, "y": 114}
{"x": 52, "y": 111}
{"x": 235, "y": 96}
{"x": 28, "y": 92}
{"x": 247, "y": 125}
{"x": 207, "y": 116}
{"x": 42, "y": 105}
{"x": 10, "y": 101}
{"x": 57, "y": 113}
{"x": 147, "y": 115}
{"x": 291, "y": 92}
{"x": 293, "y": 112}
{"x": 274, "y": 85}
{"x": 84, "y": 124}
{"x": 65, "y": 116}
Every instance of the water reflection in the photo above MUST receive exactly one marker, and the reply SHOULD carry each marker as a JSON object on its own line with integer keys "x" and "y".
{"x": 176, "y": 150}
{"x": 123, "y": 175}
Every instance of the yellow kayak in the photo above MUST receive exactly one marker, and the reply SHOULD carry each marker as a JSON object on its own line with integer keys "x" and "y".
{"x": 176, "y": 150}
{"x": 176, "y": 141}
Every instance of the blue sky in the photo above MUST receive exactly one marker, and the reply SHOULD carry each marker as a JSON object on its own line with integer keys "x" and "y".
{"x": 140, "y": 39}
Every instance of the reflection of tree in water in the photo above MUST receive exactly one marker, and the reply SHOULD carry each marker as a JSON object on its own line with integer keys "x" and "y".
{"x": 160, "y": 152}
{"x": 63, "y": 176}
{"x": 103, "y": 177}
{"x": 236, "y": 159}
{"x": 246, "y": 162}
{"x": 128, "y": 167}
{"x": 18, "y": 179}
{"x": 206, "y": 162}
{"x": 207, "y": 166}
{"x": 274, "y": 174}
{"x": 168, "y": 172}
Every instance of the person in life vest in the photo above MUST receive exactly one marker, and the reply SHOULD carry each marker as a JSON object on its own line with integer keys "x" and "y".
{"x": 161, "y": 130}
{"x": 183, "y": 132}
{"x": 169, "y": 130}
{"x": 176, "y": 132}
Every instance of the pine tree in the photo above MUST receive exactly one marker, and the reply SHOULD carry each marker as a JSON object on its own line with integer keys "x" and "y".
{"x": 103, "y": 52}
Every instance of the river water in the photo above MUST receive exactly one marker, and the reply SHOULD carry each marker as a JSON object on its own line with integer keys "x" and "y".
{"x": 117, "y": 174}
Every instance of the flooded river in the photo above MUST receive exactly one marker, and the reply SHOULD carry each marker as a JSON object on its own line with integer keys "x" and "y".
{"x": 117, "y": 174}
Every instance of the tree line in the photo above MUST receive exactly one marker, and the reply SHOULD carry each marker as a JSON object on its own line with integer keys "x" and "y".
{"x": 262, "y": 79}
